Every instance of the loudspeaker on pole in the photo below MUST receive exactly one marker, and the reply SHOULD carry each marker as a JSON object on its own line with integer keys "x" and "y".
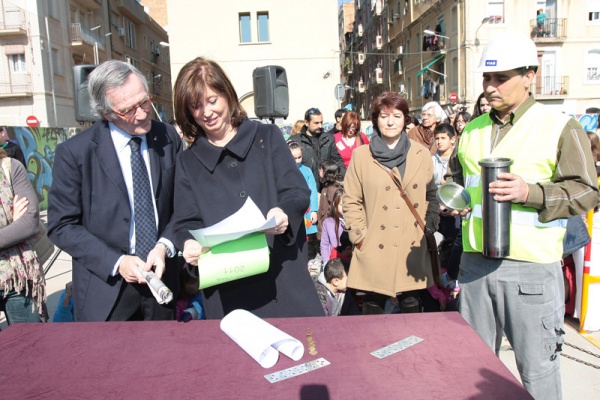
{"x": 271, "y": 97}
{"x": 83, "y": 111}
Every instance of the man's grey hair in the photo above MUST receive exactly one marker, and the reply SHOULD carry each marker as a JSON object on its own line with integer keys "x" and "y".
{"x": 109, "y": 75}
{"x": 440, "y": 115}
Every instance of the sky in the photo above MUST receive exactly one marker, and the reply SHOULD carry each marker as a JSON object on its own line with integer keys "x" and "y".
{"x": 344, "y": 1}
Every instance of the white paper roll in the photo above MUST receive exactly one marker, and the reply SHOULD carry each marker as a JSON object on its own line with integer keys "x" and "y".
{"x": 261, "y": 340}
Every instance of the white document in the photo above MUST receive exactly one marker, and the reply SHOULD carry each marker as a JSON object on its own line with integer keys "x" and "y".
{"x": 261, "y": 340}
{"x": 247, "y": 219}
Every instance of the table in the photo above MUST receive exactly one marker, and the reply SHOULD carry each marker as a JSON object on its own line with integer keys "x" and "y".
{"x": 160, "y": 360}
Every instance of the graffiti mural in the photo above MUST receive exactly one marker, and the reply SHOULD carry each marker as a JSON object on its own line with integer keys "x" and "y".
{"x": 38, "y": 146}
{"x": 588, "y": 121}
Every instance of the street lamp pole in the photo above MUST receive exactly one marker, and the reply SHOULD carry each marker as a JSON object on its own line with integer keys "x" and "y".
{"x": 483, "y": 22}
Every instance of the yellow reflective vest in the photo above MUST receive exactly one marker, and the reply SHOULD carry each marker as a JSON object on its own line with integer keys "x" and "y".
{"x": 532, "y": 143}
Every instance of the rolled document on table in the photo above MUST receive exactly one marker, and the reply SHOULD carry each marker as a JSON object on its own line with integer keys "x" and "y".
{"x": 160, "y": 291}
{"x": 261, "y": 340}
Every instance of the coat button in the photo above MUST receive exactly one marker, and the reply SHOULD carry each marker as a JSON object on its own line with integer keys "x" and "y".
{"x": 358, "y": 232}
{"x": 387, "y": 188}
{"x": 242, "y": 194}
{"x": 385, "y": 207}
{"x": 415, "y": 186}
{"x": 416, "y": 223}
{"x": 382, "y": 227}
{"x": 233, "y": 164}
{"x": 381, "y": 246}
{"x": 275, "y": 300}
{"x": 126, "y": 220}
{"x": 416, "y": 205}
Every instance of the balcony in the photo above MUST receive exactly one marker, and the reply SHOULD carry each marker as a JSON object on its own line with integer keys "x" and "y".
{"x": 377, "y": 7}
{"x": 81, "y": 34}
{"x": 131, "y": 9}
{"x": 91, "y": 4}
{"x": 552, "y": 86}
{"x": 12, "y": 21}
{"x": 434, "y": 43}
{"x": 550, "y": 30}
{"x": 16, "y": 85}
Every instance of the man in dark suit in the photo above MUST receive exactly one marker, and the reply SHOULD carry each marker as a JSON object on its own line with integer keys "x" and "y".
{"x": 93, "y": 203}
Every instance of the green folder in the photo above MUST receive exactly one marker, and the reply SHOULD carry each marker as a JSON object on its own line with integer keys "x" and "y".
{"x": 237, "y": 259}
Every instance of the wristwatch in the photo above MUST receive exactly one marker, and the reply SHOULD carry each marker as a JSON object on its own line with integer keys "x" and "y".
{"x": 169, "y": 253}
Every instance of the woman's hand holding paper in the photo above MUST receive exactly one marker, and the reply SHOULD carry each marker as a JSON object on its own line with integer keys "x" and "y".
{"x": 192, "y": 251}
{"x": 281, "y": 221}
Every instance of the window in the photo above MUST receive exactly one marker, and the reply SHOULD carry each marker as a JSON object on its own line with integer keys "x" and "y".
{"x": 53, "y": 9}
{"x": 56, "y": 62}
{"x": 263, "y": 26}
{"x": 454, "y": 21}
{"x": 495, "y": 10}
{"x": 129, "y": 33}
{"x": 132, "y": 61}
{"x": 593, "y": 65}
{"x": 593, "y": 10}
{"x": 17, "y": 63}
{"x": 245, "y": 35}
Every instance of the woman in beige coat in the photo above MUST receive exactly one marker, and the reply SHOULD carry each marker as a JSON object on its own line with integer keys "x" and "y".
{"x": 390, "y": 256}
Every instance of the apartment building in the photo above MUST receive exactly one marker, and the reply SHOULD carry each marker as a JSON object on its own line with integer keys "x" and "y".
{"x": 300, "y": 36}
{"x": 41, "y": 42}
{"x": 427, "y": 49}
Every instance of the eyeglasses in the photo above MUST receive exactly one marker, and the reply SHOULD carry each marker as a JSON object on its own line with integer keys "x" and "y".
{"x": 313, "y": 111}
{"x": 130, "y": 112}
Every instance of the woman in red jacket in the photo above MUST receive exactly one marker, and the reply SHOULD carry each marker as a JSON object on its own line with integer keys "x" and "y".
{"x": 350, "y": 137}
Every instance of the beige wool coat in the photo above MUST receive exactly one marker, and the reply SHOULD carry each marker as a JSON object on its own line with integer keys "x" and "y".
{"x": 393, "y": 257}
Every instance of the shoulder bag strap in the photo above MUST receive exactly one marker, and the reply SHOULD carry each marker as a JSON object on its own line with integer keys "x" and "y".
{"x": 431, "y": 243}
{"x": 407, "y": 200}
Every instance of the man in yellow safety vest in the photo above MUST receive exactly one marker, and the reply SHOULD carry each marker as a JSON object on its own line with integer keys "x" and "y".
{"x": 552, "y": 177}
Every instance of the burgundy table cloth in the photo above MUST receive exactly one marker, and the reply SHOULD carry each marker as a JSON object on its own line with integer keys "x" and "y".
{"x": 163, "y": 360}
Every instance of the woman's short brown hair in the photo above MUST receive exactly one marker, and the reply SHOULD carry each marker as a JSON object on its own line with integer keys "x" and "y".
{"x": 189, "y": 89}
{"x": 349, "y": 118}
{"x": 390, "y": 100}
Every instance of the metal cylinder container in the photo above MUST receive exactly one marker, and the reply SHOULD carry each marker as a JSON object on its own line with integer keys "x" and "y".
{"x": 495, "y": 214}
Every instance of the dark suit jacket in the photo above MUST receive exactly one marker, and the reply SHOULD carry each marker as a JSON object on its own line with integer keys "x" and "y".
{"x": 315, "y": 150}
{"x": 89, "y": 211}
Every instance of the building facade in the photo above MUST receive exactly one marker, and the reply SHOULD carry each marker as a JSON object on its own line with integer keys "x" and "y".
{"x": 428, "y": 50}
{"x": 300, "y": 36}
{"x": 41, "y": 42}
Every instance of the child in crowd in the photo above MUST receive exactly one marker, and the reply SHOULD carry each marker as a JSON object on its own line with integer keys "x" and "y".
{"x": 190, "y": 305}
{"x": 331, "y": 288}
{"x": 332, "y": 226}
{"x": 65, "y": 309}
{"x": 444, "y": 138}
{"x": 330, "y": 183}
{"x": 310, "y": 218}
{"x": 449, "y": 227}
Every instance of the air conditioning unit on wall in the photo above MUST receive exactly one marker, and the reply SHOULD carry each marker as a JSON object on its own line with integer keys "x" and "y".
{"x": 361, "y": 58}
{"x": 379, "y": 42}
{"x": 121, "y": 31}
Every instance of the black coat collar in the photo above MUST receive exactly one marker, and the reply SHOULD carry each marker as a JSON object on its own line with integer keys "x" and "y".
{"x": 209, "y": 154}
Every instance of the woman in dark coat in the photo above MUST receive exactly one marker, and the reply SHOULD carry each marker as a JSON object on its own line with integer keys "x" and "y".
{"x": 231, "y": 159}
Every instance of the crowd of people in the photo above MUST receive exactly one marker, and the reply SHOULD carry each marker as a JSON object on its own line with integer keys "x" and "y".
{"x": 127, "y": 193}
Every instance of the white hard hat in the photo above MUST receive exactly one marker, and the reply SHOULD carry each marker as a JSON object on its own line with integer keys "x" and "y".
{"x": 508, "y": 51}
